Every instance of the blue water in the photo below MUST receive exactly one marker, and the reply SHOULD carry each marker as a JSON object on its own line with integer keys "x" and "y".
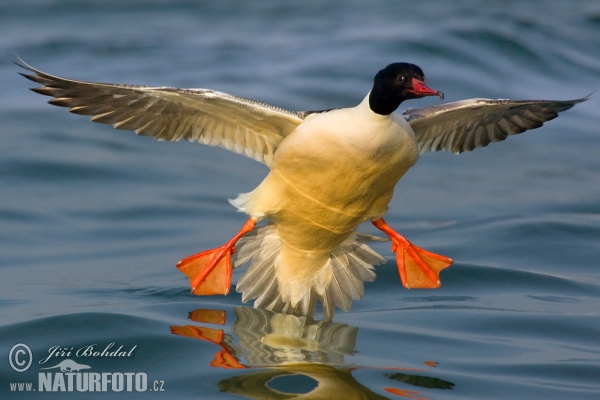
{"x": 93, "y": 220}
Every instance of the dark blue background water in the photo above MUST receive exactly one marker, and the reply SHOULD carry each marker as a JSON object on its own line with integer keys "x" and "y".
{"x": 92, "y": 220}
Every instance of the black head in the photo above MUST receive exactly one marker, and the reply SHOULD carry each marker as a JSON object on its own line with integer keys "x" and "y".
{"x": 394, "y": 84}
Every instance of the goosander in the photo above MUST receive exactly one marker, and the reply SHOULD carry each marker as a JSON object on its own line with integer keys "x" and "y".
{"x": 329, "y": 172}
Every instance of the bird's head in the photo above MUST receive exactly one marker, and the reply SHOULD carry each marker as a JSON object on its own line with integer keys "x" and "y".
{"x": 396, "y": 83}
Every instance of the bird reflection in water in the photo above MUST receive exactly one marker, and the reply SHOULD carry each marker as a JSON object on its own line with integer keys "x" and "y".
{"x": 286, "y": 356}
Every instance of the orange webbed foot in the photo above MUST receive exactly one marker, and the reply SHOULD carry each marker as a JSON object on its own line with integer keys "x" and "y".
{"x": 210, "y": 271}
{"x": 418, "y": 268}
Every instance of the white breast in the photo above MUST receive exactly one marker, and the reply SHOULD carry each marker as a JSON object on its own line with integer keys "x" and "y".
{"x": 333, "y": 169}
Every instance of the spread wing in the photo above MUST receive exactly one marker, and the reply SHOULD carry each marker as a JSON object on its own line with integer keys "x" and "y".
{"x": 241, "y": 125}
{"x": 469, "y": 124}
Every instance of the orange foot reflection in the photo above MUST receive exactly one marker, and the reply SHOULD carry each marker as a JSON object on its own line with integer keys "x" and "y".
{"x": 407, "y": 394}
{"x": 223, "y": 358}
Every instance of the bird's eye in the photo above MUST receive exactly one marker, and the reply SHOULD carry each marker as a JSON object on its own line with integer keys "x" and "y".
{"x": 400, "y": 78}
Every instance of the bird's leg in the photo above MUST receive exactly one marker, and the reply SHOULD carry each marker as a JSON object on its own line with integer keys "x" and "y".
{"x": 210, "y": 270}
{"x": 418, "y": 268}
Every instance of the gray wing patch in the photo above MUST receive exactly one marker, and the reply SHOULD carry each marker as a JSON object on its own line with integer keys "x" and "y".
{"x": 465, "y": 125}
{"x": 245, "y": 126}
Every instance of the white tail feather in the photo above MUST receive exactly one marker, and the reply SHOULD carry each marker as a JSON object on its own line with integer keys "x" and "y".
{"x": 340, "y": 280}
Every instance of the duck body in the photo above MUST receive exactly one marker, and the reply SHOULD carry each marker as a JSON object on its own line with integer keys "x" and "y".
{"x": 335, "y": 171}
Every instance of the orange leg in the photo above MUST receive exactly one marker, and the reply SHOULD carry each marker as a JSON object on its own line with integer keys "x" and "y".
{"x": 210, "y": 270}
{"x": 418, "y": 268}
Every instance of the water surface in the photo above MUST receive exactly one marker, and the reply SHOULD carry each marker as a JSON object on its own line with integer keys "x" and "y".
{"x": 93, "y": 220}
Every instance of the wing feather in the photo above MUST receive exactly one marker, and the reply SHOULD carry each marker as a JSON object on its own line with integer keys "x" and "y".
{"x": 244, "y": 126}
{"x": 465, "y": 125}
